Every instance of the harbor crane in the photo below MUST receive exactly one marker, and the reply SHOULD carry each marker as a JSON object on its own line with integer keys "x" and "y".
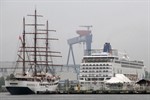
{"x": 85, "y": 36}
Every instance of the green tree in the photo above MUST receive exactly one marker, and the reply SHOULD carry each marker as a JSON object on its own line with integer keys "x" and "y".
{"x": 11, "y": 76}
{"x": 2, "y": 82}
{"x": 147, "y": 75}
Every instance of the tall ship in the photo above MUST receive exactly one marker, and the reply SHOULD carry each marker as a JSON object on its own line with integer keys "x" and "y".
{"x": 100, "y": 65}
{"x": 37, "y": 73}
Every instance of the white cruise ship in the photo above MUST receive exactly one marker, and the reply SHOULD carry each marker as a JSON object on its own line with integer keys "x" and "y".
{"x": 100, "y": 65}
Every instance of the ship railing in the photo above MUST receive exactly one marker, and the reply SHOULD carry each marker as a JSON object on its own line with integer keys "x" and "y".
{"x": 114, "y": 52}
{"x": 92, "y": 51}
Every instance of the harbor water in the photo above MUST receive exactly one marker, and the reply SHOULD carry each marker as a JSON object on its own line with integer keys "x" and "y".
{"x": 7, "y": 96}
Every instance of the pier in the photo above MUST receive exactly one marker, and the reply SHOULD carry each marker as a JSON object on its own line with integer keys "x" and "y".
{"x": 70, "y": 86}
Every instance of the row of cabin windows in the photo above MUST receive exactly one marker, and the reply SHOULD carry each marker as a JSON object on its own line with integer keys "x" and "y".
{"x": 95, "y": 65}
{"x": 96, "y": 68}
{"x": 129, "y": 63}
{"x": 123, "y": 65}
{"x": 27, "y": 79}
{"x": 96, "y": 71}
{"x": 94, "y": 79}
{"x": 94, "y": 75}
{"x": 97, "y": 60}
{"x": 48, "y": 84}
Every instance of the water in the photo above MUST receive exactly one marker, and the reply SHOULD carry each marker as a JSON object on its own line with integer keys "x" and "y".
{"x": 7, "y": 96}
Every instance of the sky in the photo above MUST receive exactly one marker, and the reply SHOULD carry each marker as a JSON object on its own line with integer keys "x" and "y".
{"x": 123, "y": 23}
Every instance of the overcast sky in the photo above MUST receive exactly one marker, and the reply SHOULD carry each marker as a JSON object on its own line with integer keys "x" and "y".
{"x": 123, "y": 23}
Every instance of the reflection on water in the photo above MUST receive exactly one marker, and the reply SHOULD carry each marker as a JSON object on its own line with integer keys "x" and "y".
{"x": 7, "y": 96}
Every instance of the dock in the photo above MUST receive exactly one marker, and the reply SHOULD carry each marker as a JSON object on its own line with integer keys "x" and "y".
{"x": 72, "y": 87}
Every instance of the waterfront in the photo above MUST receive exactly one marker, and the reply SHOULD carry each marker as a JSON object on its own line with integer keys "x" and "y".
{"x": 7, "y": 96}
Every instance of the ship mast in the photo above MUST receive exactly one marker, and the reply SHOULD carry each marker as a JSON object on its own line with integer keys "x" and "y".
{"x": 35, "y": 51}
{"x": 35, "y": 40}
{"x": 23, "y": 45}
{"x": 46, "y": 47}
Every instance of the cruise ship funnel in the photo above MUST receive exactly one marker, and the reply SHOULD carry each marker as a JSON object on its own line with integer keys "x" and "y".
{"x": 107, "y": 47}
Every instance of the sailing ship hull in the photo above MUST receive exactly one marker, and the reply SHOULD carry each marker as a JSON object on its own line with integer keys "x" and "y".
{"x": 27, "y": 87}
{"x": 19, "y": 90}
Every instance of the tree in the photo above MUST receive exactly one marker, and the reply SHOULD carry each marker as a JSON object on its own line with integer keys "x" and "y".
{"x": 11, "y": 76}
{"x": 2, "y": 82}
{"x": 147, "y": 75}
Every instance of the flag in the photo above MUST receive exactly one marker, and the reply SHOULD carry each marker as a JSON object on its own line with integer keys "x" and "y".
{"x": 20, "y": 38}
